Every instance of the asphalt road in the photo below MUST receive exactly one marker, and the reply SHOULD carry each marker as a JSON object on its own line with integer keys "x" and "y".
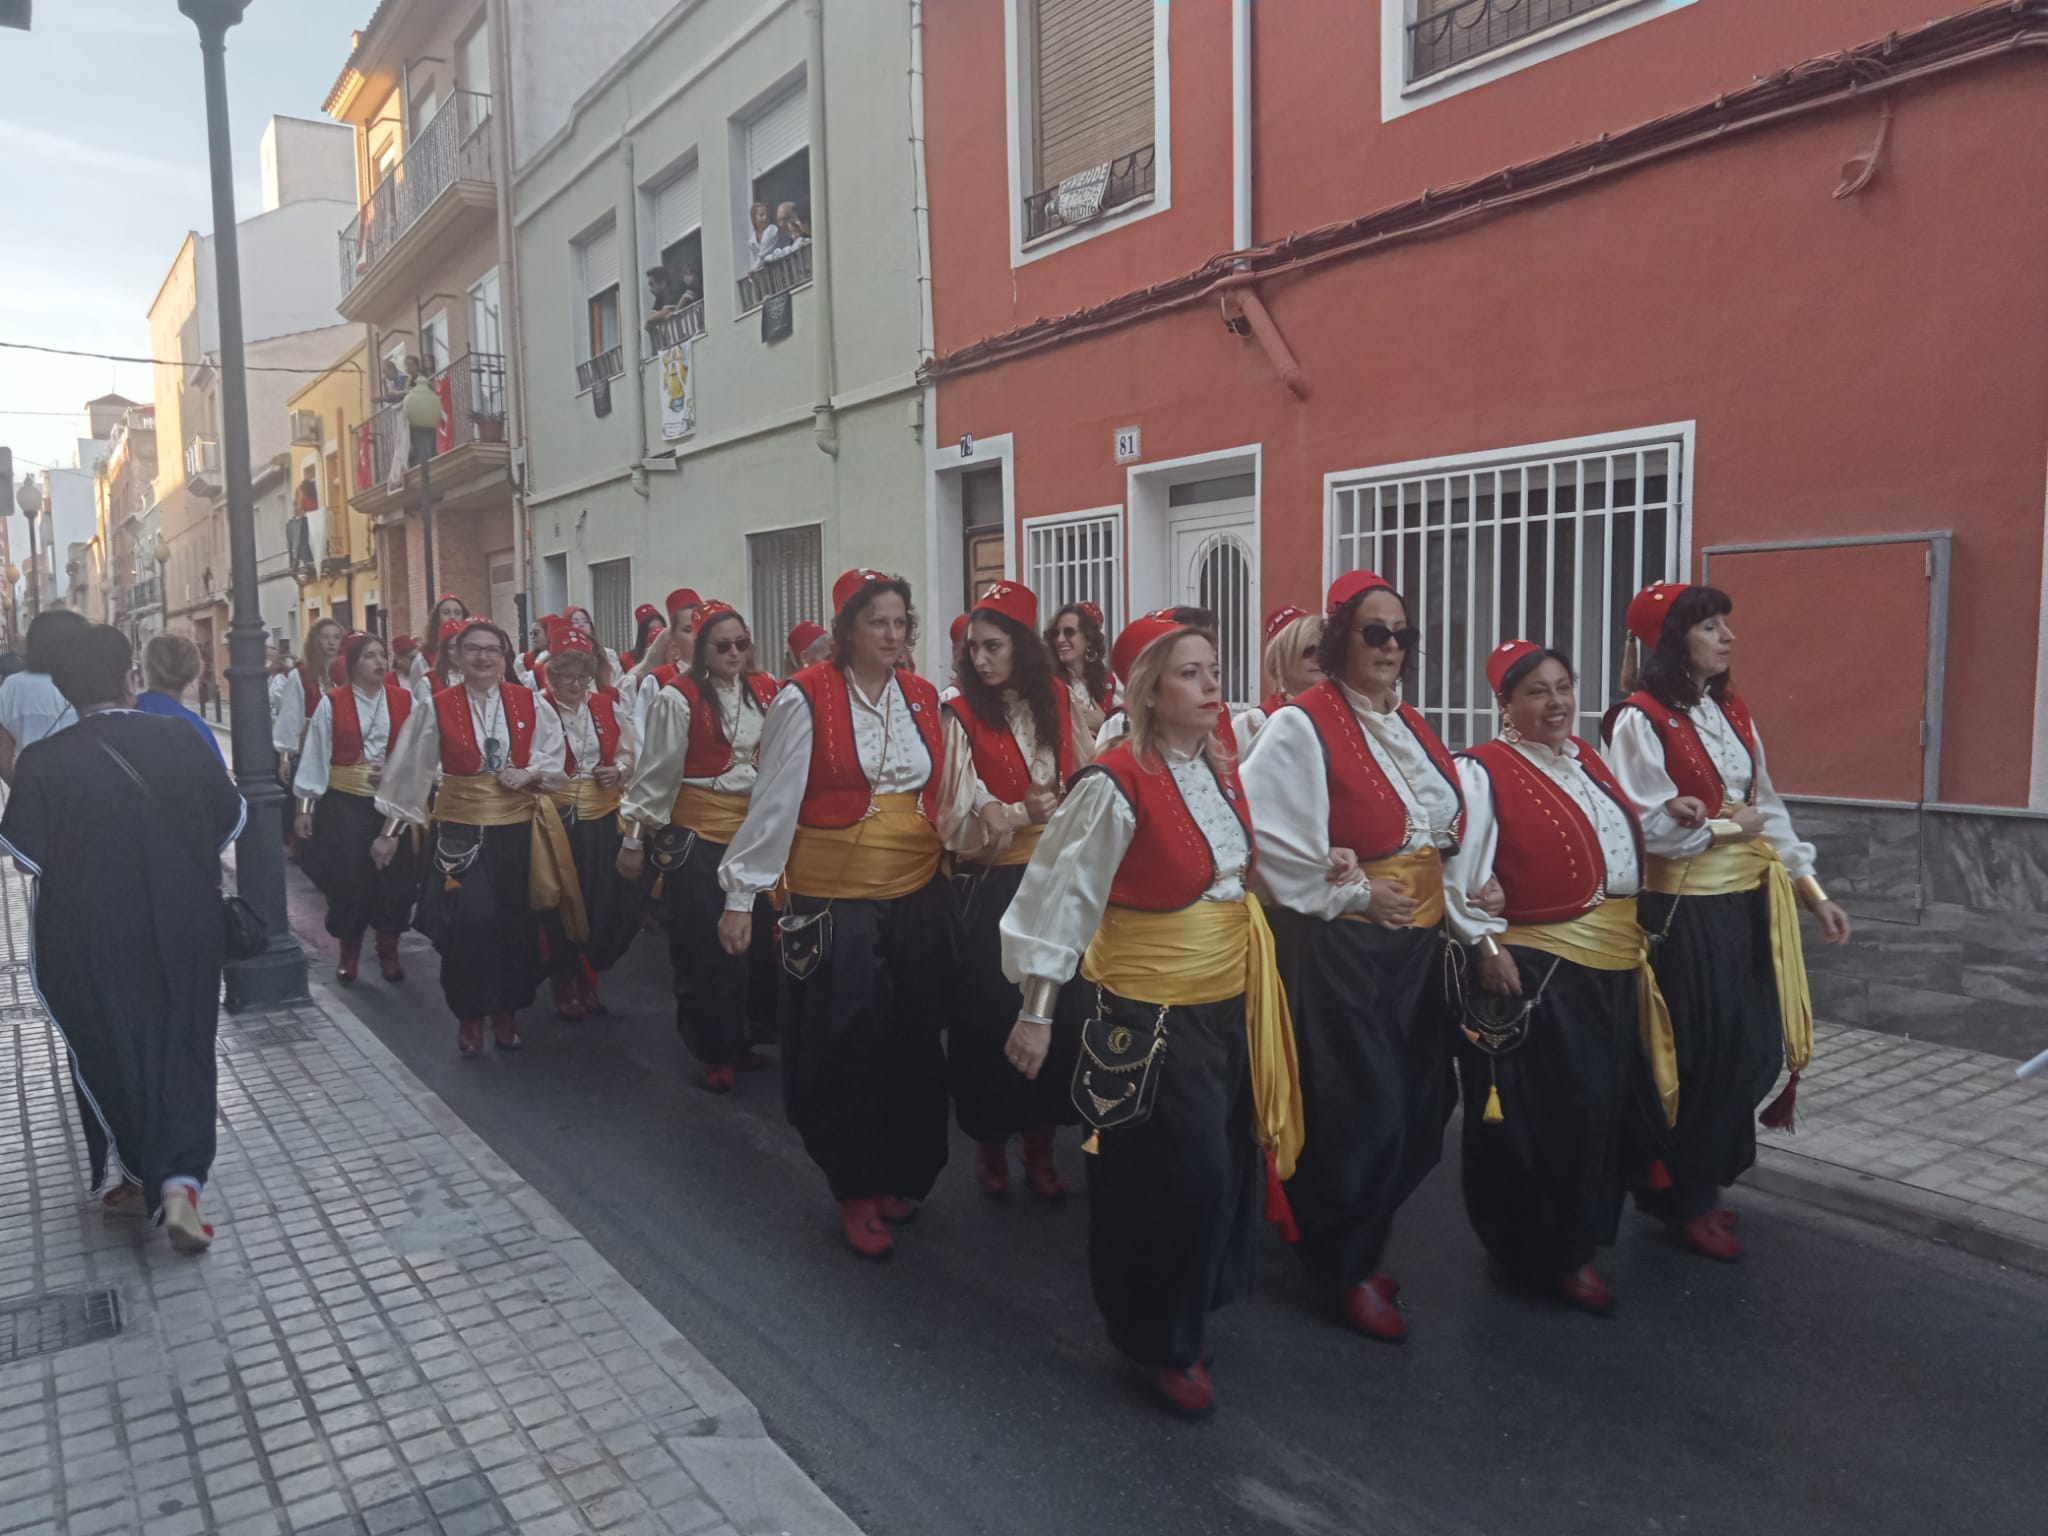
{"x": 1839, "y": 1380}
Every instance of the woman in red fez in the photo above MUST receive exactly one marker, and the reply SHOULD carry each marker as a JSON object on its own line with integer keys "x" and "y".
{"x": 1563, "y": 1004}
{"x": 688, "y": 796}
{"x": 302, "y": 695}
{"x": 1141, "y": 881}
{"x": 1347, "y": 770}
{"x": 346, "y": 744}
{"x": 1730, "y": 876}
{"x": 807, "y": 643}
{"x": 1011, "y": 748}
{"x": 1080, "y": 653}
{"x": 844, "y": 815}
{"x": 1290, "y": 666}
{"x": 647, "y": 624}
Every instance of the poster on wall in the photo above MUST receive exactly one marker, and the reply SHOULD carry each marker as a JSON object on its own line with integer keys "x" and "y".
{"x": 678, "y": 392}
{"x": 778, "y": 317}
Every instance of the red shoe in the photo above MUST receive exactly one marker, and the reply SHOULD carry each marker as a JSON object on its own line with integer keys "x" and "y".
{"x": 1585, "y": 1289}
{"x": 568, "y": 997}
{"x": 1385, "y": 1284}
{"x": 1039, "y": 1172}
{"x": 1704, "y": 1235}
{"x": 1722, "y": 1217}
{"x": 469, "y": 1036}
{"x": 751, "y": 1060}
{"x": 716, "y": 1079}
{"x": 505, "y": 1032}
{"x": 865, "y": 1234}
{"x": 1374, "y": 1313}
{"x": 992, "y": 1168}
{"x": 387, "y": 957}
{"x": 351, "y": 957}
{"x": 895, "y": 1209}
{"x": 124, "y": 1199}
{"x": 592, "y": 1003}
{"x": 1189, "y": 1393}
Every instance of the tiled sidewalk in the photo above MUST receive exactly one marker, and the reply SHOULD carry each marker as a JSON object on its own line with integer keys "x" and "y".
{"x": 393, "y": 1333}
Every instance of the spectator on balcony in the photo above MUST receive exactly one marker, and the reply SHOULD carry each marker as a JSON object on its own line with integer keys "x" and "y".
{"x": 170, "y": 665}
{"x": 308, "y": 498}
{"x": 766, "y": 237}
{"x": 795, "y": 231}
{"x": 30, "y": 705}
{"x": 665, "y": 290}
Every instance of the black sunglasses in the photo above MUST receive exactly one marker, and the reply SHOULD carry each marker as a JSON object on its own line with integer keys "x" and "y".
{"x": 1408, "y": 637}
{"x": 727, "y": 647}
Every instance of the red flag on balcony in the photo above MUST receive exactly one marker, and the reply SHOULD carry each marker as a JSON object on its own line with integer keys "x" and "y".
{"x": 444, "y": 436}
{"x": 366, "y": 473}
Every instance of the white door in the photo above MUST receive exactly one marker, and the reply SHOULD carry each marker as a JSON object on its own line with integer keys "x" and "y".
{"x": 505, "y": 591}
{"x": 1214, "y": 555}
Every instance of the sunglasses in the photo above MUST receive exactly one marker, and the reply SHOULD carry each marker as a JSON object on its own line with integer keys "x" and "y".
{"x": 1408, "y": 637}
{"x": 727, "y": 647}
{"x": 1068, "y": 632}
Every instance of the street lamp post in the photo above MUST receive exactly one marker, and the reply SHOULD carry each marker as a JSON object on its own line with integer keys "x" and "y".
{"x": 423, "y": 414}
{"x": 278, "y": 975}
{"x": 30, "y": 499}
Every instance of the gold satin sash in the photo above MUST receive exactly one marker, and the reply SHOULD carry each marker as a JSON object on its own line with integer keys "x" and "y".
{"x": 888, "y": 853}
{"x": 353, "y": 778}
{"x": 713, "y": 814}
{"x": 1422, "y": 871}
{"x": 592, "y": 800}
{"x": 479, "y": 800}
{"x": 1206, "y": 953}
{"x": 1609, "y": 938}
{"x": 1023, "y": 843}
{"x": 1726, "y": 868}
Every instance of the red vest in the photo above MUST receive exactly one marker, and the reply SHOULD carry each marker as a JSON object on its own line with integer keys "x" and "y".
{"x": 838, "y": 793}
{"x": 310, "y": 687}
{"x": 1548, "y": 857}
{"x": 999, "y": 761}
{"x": 708, "y": 754}
{"x": 605, "y": 717}
{"x": 348, "y": 724}
{"x": 461, "y": 757}
{"x": 1366, "y": 811}
{"x": 1169, "y": 863}
{"x": 1686, "y": 758}
{"x": 1270, "y": 703}
{"x": 667, "y": 673}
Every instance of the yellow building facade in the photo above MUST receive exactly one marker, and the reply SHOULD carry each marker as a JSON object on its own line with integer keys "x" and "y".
{"x": 333, "y": 548}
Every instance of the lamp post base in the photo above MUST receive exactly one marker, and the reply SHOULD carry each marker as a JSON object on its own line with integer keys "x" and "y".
{"x": 273, "y": 979}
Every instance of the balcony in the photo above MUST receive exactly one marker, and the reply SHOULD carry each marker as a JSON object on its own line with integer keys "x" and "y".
{"x": 442, "y": 184}
{"x": 470, "y": 457}
{"x": 202, "y": 466}
{"x": 608, "y": 364}
{"x": 1090, "y": 195}
{"x": 780, "y": 273}
{"x": 1465, "y": 30}
{"x": 673, "y": 330}
{"x": 140, "y": 597}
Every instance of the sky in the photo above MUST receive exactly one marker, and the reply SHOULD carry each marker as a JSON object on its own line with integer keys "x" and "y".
{"x": 103, "y": 170}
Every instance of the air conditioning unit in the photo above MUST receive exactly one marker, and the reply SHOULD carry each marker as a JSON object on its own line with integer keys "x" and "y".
{"x": 305, "y": 427}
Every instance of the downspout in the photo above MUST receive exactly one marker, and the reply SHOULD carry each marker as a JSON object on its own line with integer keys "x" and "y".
{"x": 825, "y": 423}
{"x": 1243, "y": 310}
{"x": 630, "y": 335}
{"x": 510, "y": 321}
{"x": 920, "y": 187}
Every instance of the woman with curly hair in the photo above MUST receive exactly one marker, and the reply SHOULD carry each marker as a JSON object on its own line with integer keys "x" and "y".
{"x": 1080, "y": 654}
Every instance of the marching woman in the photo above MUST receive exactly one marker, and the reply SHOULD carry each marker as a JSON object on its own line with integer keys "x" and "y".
{"x": 1011, "y": 747}
{"x": 347, "y": 742}
{"x": 668, "y": 659}
{"x": 688, "y": 796}
{"x": 598, "y": 749}
{"x": 609, "y": 671}
{"x": 648, "y": 625}
{"x": 497, "y": 849}
{"x": 807, "y": 643}
{"x": 1080, "y": 653}
{"x": 526, "y": 664}
{"x": 1292, "y": 662}
{"x": 1730, "y": 876}
{"x": 843, "y": 814}
{"x": 447, "y": 672}
{"x": 1348, "y": 769}
{"x": 450, "y": 609}
{"x": 1550, "y": 1064}
{"x": 309, "y": 681}
{"x": 1188, "y": 1067}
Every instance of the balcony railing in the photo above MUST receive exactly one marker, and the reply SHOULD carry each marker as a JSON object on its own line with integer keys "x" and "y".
{"x": 141, "y": 595}
{"x": 453, "y": 147}
{"x": 202, "y": 463}
{"x": 673, "y": 330}
{"x": 1471, "y": 29}
{"x": 778, "y": 274}
{"x": 1089, "y": 195}
{"x": 608, "y": 364}
{"x": 476, "y": 399}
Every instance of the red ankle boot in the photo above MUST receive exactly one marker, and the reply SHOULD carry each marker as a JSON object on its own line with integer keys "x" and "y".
{"x": 505, "y": 1032}
{"x": 592, "y": 1003}
{"x": 717, "y": 1079}
{"x": 865, "y": 1234}
{"x": 1585, "y": 1289}
{"x": 387, "y": 957}
{"x": 568, "y": 997}
{"x": 1373, "y": 1313}
{"x": 1189, "y": 1393}
{"x": 1039, "y": 1172}
{"x": 992, "y": 1168}
{"x": 469, "y": 1036}
{"x": 897, "y": 1210}
{"x": 351, "y": 957}
{"x": 1711, "y": 1237}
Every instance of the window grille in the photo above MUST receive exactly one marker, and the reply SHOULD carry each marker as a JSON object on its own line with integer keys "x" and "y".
{"x": 1076, "y": 558}
{"x": 787, "y": 577}
{"x": 611, "y": 603}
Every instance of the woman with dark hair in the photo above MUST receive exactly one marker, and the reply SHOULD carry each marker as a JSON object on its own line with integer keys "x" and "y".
{"x": 1547, "y": 1103}
{"x": 497, "y": 847}
{"x": 1011, "y": 748}
{"x": 438, "y": 671}
{"x": 843, "y": 814}
{"x": 609, "y": 670}
{"x": 347, "y": 741}
{"x": 302, "y": 696}
{"x": 447, "y": 670}
{"x": 1730, "y": 875}
{"x": 1080, "y": 652}
{"x": 688, "y": 796}
{"x": 668, "y": 658}
{"x": 1349, "y": 770}
{"x": 526, "y": 666}
{"x": 648, "y": 624}
{"x": 31, "y": 705}
{"x": 120, "y": 820}
{"x": 1142, "y": 881}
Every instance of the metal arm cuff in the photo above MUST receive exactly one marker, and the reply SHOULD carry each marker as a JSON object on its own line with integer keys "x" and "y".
{"x": 392, "y": 824}
{"x": 307, "y": 804}
{"x": 1486, "y": 946}
{"x": 1040, "y": 992}
{"x": 1725, "y": 830}
{"x": 1811, "y": 894}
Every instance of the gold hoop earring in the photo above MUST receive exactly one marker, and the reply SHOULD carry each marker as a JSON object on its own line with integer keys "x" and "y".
{"x": 1508, "y": 733}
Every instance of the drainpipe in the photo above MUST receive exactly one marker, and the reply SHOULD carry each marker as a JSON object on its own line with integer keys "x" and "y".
{"x": 825, "y": 423}
{"x": 1243, "y": 309}
{"x": 631, "y": 337}
{"x": 510, "y": 324}
{"x": 921, "y": 188}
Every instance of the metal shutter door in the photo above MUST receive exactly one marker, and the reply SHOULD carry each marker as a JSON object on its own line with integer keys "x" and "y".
{"x": 779, "y": 132}
{"x": 1094, "y": 85}
{"x": 678, "y": 209}
{"x": 600, "y": 262}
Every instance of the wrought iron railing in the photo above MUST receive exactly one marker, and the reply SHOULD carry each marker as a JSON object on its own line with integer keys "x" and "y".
{"x": 1471, "y": 29}
{"x": 476, "y": 414}
{"x": 673, "y": 330}
{"x": 202, "y": 460}
{"x": 608, "y": 364}
{"x": 780, "y": 273}
{"x": 453, "y": 147}
{"x": 141, "y": 595}
{"x": 1088, "y": 195}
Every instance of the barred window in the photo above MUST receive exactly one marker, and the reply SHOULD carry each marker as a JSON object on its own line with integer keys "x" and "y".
{"x": 1076, "y": 558}
{"x": 787, "y": 578}
{"x": 611, "y": 603}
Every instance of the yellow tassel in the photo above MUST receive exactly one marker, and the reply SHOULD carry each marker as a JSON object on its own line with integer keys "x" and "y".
{"x": 1093, "y": 1144}
{"x": 1493, "y": 1116}
{"x": 450, "y": 883}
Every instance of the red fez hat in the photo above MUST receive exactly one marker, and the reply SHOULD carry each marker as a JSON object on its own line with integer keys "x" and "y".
{"x": 569, "y": 641}
{"x": 1281, "y": 617}
{"x": 803, "y": 636}
{"x": 1354, "y": 584}
{"x": 708, "y": 611}
{"x": 645, "y": 612}
{"x": 1094, "y": 613}
{"x": 450, "y": 628}
{"x": 1139, "y": 634}
{"x": 1504, "y": 656}
{"x": 404, "y": 643}
{"x": 1648, "y": 608}
{"x": 959, "y": 631}
{"x": 1013, "y": 600}
{"x": 448, "y": 597}
{"x": 846, "y": 586}
{"x": 684, "y": 597}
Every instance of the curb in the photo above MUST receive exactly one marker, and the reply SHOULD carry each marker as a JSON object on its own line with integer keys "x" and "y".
{"x": 2020, "y": 1242}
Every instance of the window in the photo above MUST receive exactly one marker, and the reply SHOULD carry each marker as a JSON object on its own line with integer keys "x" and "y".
{"x": 1091, "y": 141}
{"x": 1431, "y": 49}
{"x": 597, "y": 277}
{"x": 1446, "y": 33}
{"x": 776, "y": 227}
{"x": 787, "y": 579}
{"x": 486, "y": 349}
{"x": 473, "y": 55}
{"x": 554, "y": 583}
{"x": 1074, "y": 558}
{"x": 1545, "y": 544}
{"x": 675, "y": 276}
{"x": 611, "y": 602}
{"x": 981, "y": 524}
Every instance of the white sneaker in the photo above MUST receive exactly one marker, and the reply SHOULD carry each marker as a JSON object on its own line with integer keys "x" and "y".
{"x": 188, "y": 1234}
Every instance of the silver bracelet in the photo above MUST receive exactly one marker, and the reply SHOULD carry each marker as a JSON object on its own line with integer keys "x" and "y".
{"x": 1031, "y": 1018}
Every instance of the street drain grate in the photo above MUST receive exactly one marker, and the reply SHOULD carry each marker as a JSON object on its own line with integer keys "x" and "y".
{"x": 265, "y": 1035}
{"x": 42, "y": 1325}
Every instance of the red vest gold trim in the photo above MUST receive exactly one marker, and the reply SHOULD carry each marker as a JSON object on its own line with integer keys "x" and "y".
{"x": 1367, "y": 813}
{"x": 1547, "y": 856}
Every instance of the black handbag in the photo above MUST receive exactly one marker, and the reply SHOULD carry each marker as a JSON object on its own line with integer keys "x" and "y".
{"x": 669, "y": 849}
{"x": 1494, "y": 1023}
{"x": 244, "y": 932}
{"x": 806, "y": 941}
{"x": 1116, "y": 1077}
